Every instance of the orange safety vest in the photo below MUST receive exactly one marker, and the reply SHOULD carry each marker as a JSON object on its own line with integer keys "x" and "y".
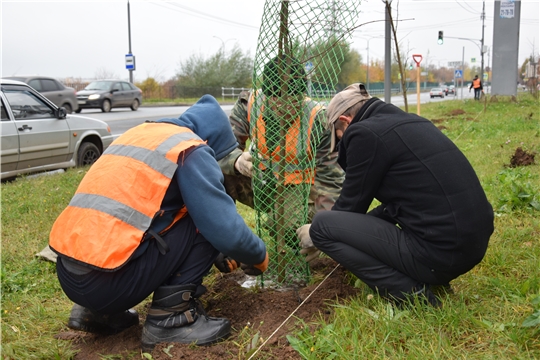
{"x": 296, "y": 172}
{"x": 476, "y": 83}
{"x": 121, "y": 194}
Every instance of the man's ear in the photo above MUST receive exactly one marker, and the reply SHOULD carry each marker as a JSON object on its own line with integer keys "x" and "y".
{"x": 345, "y": 118}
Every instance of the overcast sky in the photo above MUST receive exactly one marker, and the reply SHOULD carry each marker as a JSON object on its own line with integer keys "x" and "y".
{"x": 81, "y": 38}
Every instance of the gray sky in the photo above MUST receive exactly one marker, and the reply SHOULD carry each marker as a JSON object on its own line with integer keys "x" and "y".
{"x": 80, "y": 38}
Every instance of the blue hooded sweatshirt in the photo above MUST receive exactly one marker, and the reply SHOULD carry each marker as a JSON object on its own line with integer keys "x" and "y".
{"x": 198, "y": 183}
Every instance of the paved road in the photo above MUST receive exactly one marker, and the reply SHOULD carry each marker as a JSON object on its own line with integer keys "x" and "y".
{"x": 123, "y": 119}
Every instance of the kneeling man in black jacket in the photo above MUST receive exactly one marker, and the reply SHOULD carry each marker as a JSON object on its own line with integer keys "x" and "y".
{"x": 434, "y": 221}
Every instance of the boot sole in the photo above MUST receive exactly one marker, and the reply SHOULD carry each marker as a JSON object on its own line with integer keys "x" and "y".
{"x": 149, "y": 346}
{"x": 75, "y": 325}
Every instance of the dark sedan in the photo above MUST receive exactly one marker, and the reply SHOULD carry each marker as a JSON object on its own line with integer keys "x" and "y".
{"x": 52, "y": 89}
{"x": 108, "y": 94}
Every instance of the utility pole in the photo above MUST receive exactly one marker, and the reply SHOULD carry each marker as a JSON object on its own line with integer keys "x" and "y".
{"x": 387, "y": 55}
{"x": 367, "y": 68}
{"x": 462, "y": 71}
{"x": 129, "y": 40}
{"x": 482, "y": 41}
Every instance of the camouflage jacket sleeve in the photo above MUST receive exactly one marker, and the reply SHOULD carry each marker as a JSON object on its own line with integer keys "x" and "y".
{"x": 239, "y": 120}
{"x": 227, "y": 163}
{"x": 329, "y": 176}
{"x": 240, "y": 127}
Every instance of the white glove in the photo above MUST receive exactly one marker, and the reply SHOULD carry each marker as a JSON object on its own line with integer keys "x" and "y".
{"x": 243, "y": 164}
{"x": 308, "y": 249}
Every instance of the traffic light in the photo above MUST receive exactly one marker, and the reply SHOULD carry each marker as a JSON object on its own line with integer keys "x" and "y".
{"x": 440, "y": 39}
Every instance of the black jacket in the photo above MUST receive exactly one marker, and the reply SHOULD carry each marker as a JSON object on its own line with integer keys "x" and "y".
{"x": 424, "y": 182}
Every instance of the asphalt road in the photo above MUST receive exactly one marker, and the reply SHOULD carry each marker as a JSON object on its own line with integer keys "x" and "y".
{"x": 123, "y": 119}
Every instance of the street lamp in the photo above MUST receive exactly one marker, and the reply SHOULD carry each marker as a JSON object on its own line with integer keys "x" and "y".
{"x": 367, "y": 58}
{"x": 223, "y": 42}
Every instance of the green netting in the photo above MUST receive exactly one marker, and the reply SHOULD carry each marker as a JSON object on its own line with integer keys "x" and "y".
{"x": 300, "y": 50}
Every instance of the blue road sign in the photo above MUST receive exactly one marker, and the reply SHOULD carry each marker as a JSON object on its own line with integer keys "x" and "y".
{"x": 309, "y": 66}
{"x": 458, "y": 74}
{"x": 130, "y": 62}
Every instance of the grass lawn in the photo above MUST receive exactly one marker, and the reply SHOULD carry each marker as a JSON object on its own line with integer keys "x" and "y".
{"x": 494, "y": 312}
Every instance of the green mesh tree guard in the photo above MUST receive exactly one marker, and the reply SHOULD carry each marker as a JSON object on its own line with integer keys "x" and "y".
{"x": 300, "y": 49}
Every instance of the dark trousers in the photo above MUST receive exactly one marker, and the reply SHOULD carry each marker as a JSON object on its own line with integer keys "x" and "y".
{"x": 189, "y": 259}
{"x": 375, "y": 251}
{"x": 477, "y": 93}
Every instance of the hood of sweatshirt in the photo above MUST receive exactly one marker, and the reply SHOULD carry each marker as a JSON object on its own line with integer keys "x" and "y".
{"x": 208, "y": 120}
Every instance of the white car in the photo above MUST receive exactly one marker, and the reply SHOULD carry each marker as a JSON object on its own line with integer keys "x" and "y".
{"x": 39, "y": 136}
{"x": 436, "y": 92}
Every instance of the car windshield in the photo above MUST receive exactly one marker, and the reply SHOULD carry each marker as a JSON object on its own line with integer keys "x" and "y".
{"x": 99, "y": 85}
{"x": 436, "y": 89}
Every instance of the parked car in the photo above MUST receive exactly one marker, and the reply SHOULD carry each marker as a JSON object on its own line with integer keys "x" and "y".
{"x": 451, "y": 90}
{"x": 39, "y": 136}
{"x": 108, "y": 94}
{"x": 436, "y": 92}
{"x": 52, "y": 89}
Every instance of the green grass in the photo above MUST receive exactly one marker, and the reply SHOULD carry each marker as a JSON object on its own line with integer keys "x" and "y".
{"x": 494, "y": 312}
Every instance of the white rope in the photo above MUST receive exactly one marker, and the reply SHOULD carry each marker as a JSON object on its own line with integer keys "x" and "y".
{"x": 468, "y": 127}
{"x": 295, "y": 310}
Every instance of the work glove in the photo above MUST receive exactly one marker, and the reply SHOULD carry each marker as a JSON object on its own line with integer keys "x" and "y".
{"x": 256, "y": 270}
{"x": 244, "y": 164}
{"x": 309, "y": 250}
{"x": 226, "y": 264}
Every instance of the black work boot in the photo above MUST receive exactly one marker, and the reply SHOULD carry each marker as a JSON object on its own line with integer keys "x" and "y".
{"x": 87, "y": 320}
{"x": 177, "y": 316}
{"x": 421, "y": 293}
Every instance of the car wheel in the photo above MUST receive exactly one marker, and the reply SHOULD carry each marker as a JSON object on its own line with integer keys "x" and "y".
{"x": 88, "y": 154}
{"x": 78, "y": 110}
{"x": 68, "y": 108}
{"x": 135, "y": 105}
{"x": 106, "y": 106}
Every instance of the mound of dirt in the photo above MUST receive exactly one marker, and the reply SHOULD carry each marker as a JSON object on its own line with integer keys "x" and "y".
{"x": 251, "y": 311}
{"x": 457, "y": 112}
{"x": 521, "y": 158}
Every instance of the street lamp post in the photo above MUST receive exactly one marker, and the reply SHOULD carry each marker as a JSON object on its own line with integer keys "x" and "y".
{"x": 482, "y": 42}
{"x": 129, "y": 40}
{"x": 367, "y": 58}
{"x": 223, "y": 42}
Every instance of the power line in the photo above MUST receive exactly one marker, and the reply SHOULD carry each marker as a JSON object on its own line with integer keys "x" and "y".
{"x": 202, "y": 15}
{"x": 472, "y": 11}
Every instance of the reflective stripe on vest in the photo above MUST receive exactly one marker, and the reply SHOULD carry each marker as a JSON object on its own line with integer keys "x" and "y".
{"x": 297, "y": 142}
{"x": 120, "y": 195}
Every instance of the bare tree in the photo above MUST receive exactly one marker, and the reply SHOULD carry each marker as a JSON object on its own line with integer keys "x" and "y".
{"x": 103, "y": 73}
{"x": 398, "y": 55}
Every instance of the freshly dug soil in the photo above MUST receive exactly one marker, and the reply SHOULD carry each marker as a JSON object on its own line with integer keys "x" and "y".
{"x": 251, "y": 311}
{"x": 521, "y": 158}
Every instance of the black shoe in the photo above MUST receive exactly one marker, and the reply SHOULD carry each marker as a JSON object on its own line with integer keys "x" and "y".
{"x": 441, "y": 290}
{"x": 430, "y": 298}
{"x": 422, "y": 294}
{"x": 84, "y": 319}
